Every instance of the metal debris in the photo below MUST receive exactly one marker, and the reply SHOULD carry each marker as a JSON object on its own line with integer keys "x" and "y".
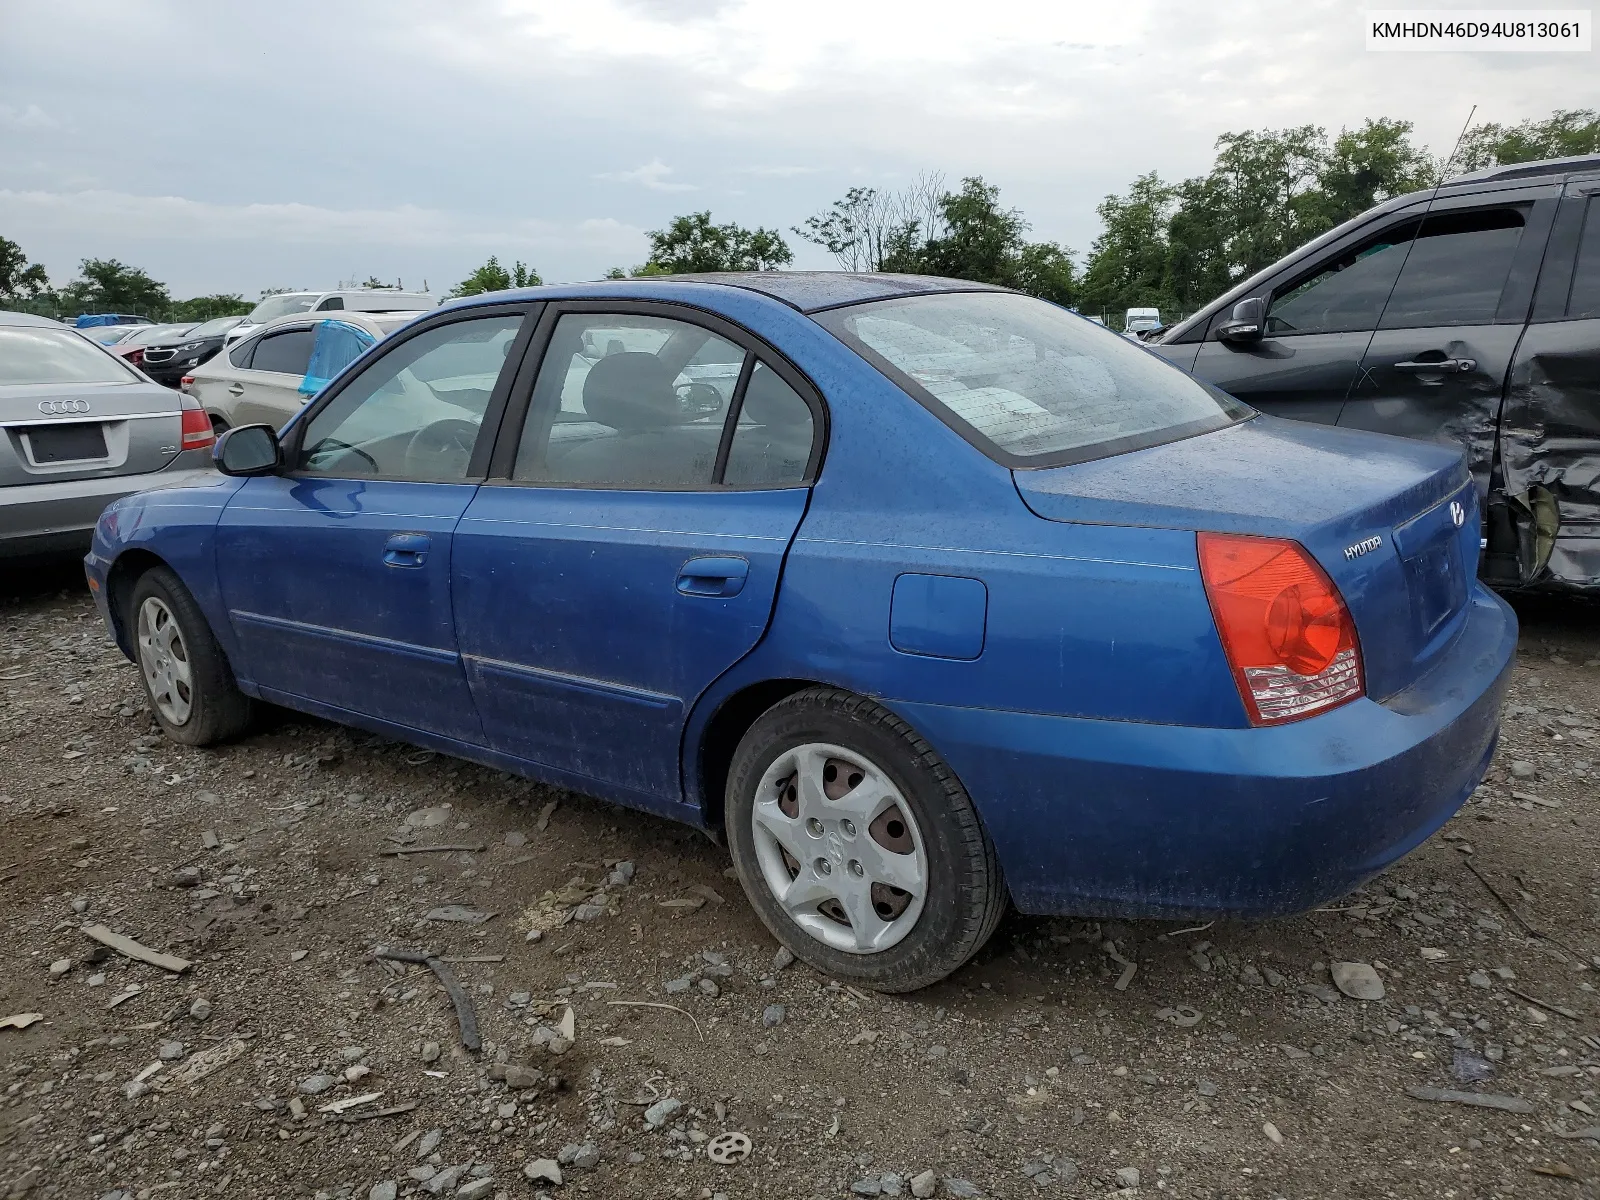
{"x": 466, "y": 1015}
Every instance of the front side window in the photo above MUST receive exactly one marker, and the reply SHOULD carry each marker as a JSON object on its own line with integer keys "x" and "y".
{"x": 32, "y": 354}
{"x": 1455, "y": 272}
{"x": 332, "y": 302}
{"x": 628, "y": 402}
{"x": 1345, "y": 295}
{"x": 415, "y": 412}
{"x": 285, "y": 353}
{"x": 1029, "y": 383}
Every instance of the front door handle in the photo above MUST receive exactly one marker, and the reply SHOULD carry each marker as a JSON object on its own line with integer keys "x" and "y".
{"x": 236, "y": 389}
{"x": 1445, "y": 366}
{"x": 713, "y": 576}
{"x": 406, "y": 550}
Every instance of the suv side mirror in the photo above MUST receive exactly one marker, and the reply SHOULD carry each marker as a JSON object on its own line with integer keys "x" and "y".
{"x": 1248, "y": 323}
{"x": 248, "y": 450}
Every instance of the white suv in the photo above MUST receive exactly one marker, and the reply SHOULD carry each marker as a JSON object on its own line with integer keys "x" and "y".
{"x": 370, "y": 300}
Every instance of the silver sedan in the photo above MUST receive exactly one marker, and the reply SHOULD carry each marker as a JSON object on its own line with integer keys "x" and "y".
{"x": 78, "y": 429}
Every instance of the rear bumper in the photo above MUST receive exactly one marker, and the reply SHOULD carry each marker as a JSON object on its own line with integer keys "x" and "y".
{"x": 42, "y": 517}
{"x": 1114, "y": 818}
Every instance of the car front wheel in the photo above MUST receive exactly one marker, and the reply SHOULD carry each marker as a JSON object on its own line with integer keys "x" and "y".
{"x": 859, "y": 848}
{"x": 186, "y": 677}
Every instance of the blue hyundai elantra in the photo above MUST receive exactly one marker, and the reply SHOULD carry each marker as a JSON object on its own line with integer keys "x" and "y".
{"x": 929, "y": 597}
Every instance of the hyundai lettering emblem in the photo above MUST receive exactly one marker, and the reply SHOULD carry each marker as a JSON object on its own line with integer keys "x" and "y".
{"x": 1363, "y": 547}
{"x": 62, "y": 408}
{"x": 1457, "y": 513}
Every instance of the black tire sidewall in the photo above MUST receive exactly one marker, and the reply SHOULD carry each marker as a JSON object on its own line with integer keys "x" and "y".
{"x": 211, "y": 686}
{"x": 942, "y": 938}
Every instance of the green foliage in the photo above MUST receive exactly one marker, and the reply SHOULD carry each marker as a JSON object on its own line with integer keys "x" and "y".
{"x": 927, "y": 230}
{"x": 108, "y": 286}
{"x": 1175, "y": 246}
{"x": 492, "y": 277}
{"x": 19, "y": 279}
{"x": 204, "y": 308}
{"x": 1566, "y": 132}
{"x": 693, "y": 244}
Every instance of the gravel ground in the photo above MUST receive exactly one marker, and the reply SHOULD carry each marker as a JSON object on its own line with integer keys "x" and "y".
{"x": 1231, "y": 1065}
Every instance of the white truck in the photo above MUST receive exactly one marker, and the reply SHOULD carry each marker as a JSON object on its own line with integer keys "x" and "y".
{"x": 1140, "y": 320}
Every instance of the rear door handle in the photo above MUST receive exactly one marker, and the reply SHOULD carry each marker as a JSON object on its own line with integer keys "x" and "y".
{"x": 1445, "y": 366}
{"x": 713, "y": 576}
{"x": 406, "y": 550}
{"x": 236, "y": 389}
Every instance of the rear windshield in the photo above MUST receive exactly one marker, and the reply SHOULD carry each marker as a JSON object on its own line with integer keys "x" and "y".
{"x": 1029, "y": 383}
{"x": 30, "y": 355}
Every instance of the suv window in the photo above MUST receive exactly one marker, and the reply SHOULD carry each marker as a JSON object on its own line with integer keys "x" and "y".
{"x": 1456, "y": 270}
{"x": 628, "y": 402}
{"x": 1346, "y": 294}
{"x": 330, "y": 303}
{"x": 415, "y": 412}
{"x": 1584, "y": 299}
{"x": 287, "y": 353}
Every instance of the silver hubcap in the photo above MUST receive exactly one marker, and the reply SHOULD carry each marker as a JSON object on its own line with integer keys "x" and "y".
{"x": 839, "y": 848}
{"x": 165, "y": 661}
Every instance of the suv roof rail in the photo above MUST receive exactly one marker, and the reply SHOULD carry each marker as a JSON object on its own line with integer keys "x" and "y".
{"x": 1524, "y": 170}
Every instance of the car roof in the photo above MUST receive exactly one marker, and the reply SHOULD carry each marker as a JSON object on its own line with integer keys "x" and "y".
{"x": 805, "y": 291}
{"x": 373, "y": 322}
{"x": 1527, "y": 170}
{"x": 21, "y": 318}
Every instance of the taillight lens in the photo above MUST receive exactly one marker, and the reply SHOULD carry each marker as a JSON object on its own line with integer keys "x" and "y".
{"x": 197, "y": 431}
{"x": 1285, "y": 629}
{"x": 136, "y": 357}
{"x": 186, "y": 383}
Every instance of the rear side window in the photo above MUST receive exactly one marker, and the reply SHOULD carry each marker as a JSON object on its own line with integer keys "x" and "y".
{"x": 31, "y": 354}
{"x": 772, "y": 442}
{"x": 287, "y": 353}
{"x": 1456, "y": 270}
{"x": 1028, "y": 383}
{"x": 1584, "y": 299}
{"x": 1346, "y": 294}
{"x": 332, "y": 302}
{"x": 241, "y": 354}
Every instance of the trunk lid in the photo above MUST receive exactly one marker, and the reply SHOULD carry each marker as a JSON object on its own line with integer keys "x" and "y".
{"x": 1393, "y": 522}
{"x": 51, "y": 432}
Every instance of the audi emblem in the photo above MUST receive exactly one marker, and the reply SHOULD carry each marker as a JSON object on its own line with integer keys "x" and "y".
{"x": 63, "y": 408}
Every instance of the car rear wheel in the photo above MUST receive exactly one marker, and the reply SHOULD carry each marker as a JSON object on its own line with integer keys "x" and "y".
{"x": 857, "y": 845}
{"x": 186, "y": 677}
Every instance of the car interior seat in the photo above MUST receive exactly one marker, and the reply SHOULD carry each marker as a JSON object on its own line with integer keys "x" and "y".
{"x": 650, "y": 443}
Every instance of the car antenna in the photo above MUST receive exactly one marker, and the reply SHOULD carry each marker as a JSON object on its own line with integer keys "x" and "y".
{"x": 1444, "y": 167}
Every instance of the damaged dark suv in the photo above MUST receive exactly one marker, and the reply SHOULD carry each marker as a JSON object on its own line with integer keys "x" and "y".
{"x": 1471, "y": 316}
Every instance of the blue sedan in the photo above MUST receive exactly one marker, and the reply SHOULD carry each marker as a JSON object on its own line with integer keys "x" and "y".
{"x": 928, "y": 597}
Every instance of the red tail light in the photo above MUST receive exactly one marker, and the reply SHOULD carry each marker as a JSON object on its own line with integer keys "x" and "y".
{"x": 1284, "y": 627}
{"x": 136, "y": 357}
{"x": 185, "y": 383}
{"x": 197, "y": 431}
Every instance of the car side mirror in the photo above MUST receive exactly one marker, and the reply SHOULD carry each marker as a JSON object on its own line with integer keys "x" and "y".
{"x": 248, "y": 450}
{"x": 1248, "y": 322}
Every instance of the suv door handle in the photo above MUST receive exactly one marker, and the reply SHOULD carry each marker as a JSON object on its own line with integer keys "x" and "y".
{"x": 1445, "y": 366}
{"x": 406, "y": 550}
{"x": 713, "y": 576}
{"x": 236, "y": 389}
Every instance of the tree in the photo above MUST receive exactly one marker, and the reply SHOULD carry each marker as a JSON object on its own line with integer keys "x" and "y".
{"x": 107, "y": 285}
{"x": 1127, "y": 264}
{"x": 692, "y": 244}
{"x": 1369, "y": 165}
{"x": 19, "y": 279}
{"x": 1566, "y": 132}
{"x": 204, "y": 308}
{"x": 492, "y": 277}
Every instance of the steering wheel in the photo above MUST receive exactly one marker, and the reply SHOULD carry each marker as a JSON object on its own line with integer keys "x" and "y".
{"x": 441, "y": 450}
{"x": 334, "y": 445}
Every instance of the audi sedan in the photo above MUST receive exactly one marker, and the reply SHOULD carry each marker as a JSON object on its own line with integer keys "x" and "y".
{"x": 78, "y": 429}
{"x": 946, "y": 599}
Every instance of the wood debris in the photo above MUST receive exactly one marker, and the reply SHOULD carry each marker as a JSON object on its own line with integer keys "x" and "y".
{"x": 131, "y": 949}
{"x": 20, "y": 1020}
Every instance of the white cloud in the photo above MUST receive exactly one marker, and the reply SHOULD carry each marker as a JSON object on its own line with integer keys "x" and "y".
{"x": 180, "y": 218}
{"x": 652, "y": 175}
{"x": 30, "y": 116}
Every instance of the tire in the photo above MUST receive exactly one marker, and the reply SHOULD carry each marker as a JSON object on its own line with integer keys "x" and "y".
{"x": 185, "y": 675}
{"x": 866, "y": 767}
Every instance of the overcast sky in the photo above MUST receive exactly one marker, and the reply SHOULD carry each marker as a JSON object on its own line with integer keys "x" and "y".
{"x": 234, "y": 147}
